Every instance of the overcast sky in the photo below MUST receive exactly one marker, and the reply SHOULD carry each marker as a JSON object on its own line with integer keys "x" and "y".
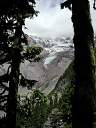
{"x": 52, "y": 21}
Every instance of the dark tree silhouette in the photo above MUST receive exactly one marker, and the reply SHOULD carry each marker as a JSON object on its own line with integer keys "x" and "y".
{"x": 12, "y": 18}
{"x": 84, "y": 100}
{"x": 84, "y": 103}
{"x": 94, "y": 4}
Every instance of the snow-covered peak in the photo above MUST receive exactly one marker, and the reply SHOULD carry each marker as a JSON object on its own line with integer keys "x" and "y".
{"x": 61, "y": 42}
{"x": 52, "y": 46}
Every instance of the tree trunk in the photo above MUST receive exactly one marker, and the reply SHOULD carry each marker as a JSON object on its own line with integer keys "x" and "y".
{"x": 14, "y": 79}
{"x": 84, "y": 97}
{"x": 13, "y": 89}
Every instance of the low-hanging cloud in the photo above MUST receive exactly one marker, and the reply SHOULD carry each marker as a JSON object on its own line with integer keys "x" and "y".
{"x": 52, "y": 21}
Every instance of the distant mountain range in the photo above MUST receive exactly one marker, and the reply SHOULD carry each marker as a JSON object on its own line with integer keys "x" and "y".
{"x": 57, "y": 54}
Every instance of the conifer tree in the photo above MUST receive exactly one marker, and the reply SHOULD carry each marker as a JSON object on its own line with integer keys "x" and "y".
{"x": 12, "y": 18}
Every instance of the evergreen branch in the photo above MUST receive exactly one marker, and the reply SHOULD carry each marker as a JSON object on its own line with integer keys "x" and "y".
{"x": 4, "y": 78}
{"x": 2, "y": 108}
{"x": 66, "y": 4}
{"x": 4, "y": 86}
{"x": 3, "y": 98}
{"x": 3, "y": 92}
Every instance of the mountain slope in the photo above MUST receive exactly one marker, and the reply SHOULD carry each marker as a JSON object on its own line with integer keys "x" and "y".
{"x": 56, "y": 56}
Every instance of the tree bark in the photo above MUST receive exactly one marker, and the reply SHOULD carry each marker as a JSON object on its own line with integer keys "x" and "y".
{"x": 13, "y": 89}
{"x": 84, "y": 98}
{"x": 14, "y": 79}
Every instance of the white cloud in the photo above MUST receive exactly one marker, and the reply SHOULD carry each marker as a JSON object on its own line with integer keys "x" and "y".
{"x": 52, "y": 21}
{"x": 93, "y": 16}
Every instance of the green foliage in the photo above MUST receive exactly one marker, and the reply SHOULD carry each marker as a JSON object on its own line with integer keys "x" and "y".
{"x": 61, "y": 112}
{"x": 54, "y": 112}
{"x": 35, "y": 109}
{"x": 95, "y": 54}
{"x": 27, "y": 83}
{"x": 66, "y": 103}
{"x": 32, "y": 111}
{"x": 32, "y": 53}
